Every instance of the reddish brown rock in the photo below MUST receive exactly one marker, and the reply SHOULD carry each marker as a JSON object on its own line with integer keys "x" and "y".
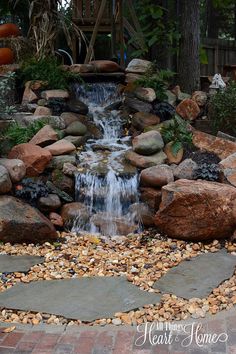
{"x": 105, "y": 66}
{"x": 141, "y": 120}
{"x": 29, "y": 95}
{"x": 228, "y": 170}
{"x": 44, "y": 137}
{"x": 172, "y": 158}
{"x": 145, "y": 94}
{"x": 197, "y": 210}
{"x": 221, "y": 147}
{"x": 188, "y": 109}
{"x": 72, "y": 211}
{"x": 42, "y": 111}
{"x": 22, "y": 223}
{"x": 200, "y": 97}
{"x": 103, "y": 222}
{"x": 61, "y": 147}
{"x": 34, "y": 157}
{"x": 156, "y": 176}
{"x": 151, "y": 196}
{"x": 141, "y": 212}
{"x": 56, "y": 219}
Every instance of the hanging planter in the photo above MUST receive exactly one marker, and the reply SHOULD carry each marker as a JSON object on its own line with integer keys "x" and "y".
{"x": 9, "y": 30}
{"x": 6, "y": 56}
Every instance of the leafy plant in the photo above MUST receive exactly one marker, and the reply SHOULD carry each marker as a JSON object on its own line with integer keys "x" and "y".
{"x": 157, "y": 28}
{"x": 222, "y": 110}
{"x": 48, "y": 70}
{"x": 209, "y": 172}
{"x": 6, "y": 84}
{"x": 18, "y": 134}
{"x": 178, "y": 133}
{"x": 156, "y": 79}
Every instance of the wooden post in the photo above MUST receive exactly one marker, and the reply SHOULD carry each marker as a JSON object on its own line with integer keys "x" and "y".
{"x": 95, "y": 31}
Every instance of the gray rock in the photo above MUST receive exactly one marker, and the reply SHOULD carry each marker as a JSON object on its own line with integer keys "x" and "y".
{"x": 141, "y": 161}
{"x": 87, "y": 298}
{"x": 63, "y": 195}
{"x": 76, "y": 106}
{"x": 148, "y": 143}
{"x": 76, "y": 128}
{"x": 69, "y": 169}
{"x": 15, "y": 167}
{"x": 57, "y": 162}
{"x": 55, "y": 121}
{"x": 62, "y": 182}
{"x": 76, "y": 140}
{"x": 185, "y": 170}
{"x": 22, "y": 223}
{"x": 10, "y": 264}
{"x": 5, "y": 181}
{"x": 136, "y": 105}
{"x": 139, "y": 66}
{"x": 50, "y": 203}
{"x": 198, "y": 277}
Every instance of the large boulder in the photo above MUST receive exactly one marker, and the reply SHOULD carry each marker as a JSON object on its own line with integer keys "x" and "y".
{"x": 45, "y": 136}
{"x": 148, "y": 143}
{"x": 22, "y": 223}
{"x": 16, "y": 169}
{"x": 197, "y": 210}
{"x": 5, "y": 181}
{"x": 141, "y": 161}
{"x": 34, "y": 157}
{"x": 141, "y": 120}
{"x": 156, "y": 176}
{"x": 221, "y": 147}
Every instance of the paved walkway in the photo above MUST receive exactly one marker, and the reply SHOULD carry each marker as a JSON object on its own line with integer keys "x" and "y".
{"x": 218, "y": 334}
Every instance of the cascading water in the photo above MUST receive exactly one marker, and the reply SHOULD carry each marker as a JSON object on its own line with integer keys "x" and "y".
{"x": 105, "y": 183}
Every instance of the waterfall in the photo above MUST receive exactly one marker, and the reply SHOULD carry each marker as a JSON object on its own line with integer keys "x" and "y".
{"x": 105, "y": 184}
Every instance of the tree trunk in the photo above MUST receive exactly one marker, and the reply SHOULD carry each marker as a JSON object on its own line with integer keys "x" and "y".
{"x": 213, "y": 20}
{"x": 189, "y": 61}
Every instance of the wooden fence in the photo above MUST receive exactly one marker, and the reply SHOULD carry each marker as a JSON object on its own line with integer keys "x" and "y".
{"x": 218, "y": 53}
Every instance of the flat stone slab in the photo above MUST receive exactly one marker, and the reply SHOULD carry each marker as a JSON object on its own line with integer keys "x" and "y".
{"x": 10, "y": 264}
{"x": 199, "y": 276}
{"x": 86, "y": 299}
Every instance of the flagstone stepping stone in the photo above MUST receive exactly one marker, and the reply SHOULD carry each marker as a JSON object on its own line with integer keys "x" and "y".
{"x": 10, "y": 264}
{"x": 86, "y": 299}
{"x": 198, "y": 276}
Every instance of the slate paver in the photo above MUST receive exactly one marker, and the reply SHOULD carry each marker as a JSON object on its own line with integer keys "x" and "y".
{"x": 10, "y": 264}
{"x": 198, "y": 276}
{"x": 86, "y": 299}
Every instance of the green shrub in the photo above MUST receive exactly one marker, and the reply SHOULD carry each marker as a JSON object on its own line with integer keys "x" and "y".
{"x": 17, "y": 134}
{"x": 156, "y": 79}
{"x": 222, "y": 110}
{"x": 49, "y": 71}
{"x": 178, "y": 132}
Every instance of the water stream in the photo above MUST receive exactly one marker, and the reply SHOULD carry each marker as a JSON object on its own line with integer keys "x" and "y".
{"x": 105, "y": 183}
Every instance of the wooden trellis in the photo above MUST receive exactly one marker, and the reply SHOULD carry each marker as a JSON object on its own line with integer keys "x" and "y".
{"x": 106, "y": 16}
